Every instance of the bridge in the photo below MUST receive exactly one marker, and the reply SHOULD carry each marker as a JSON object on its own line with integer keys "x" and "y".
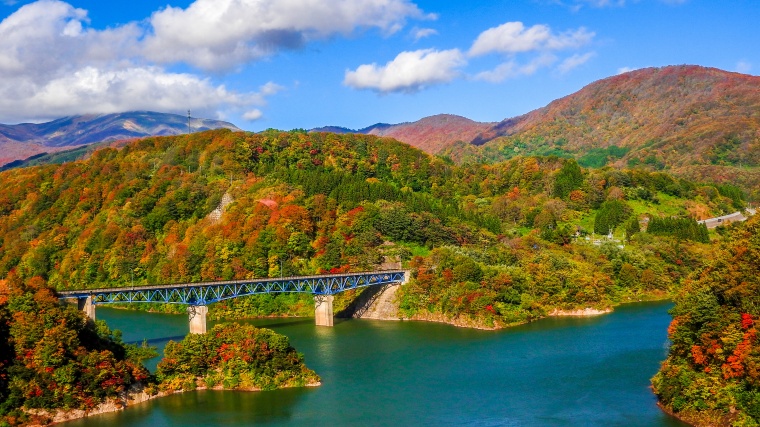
{"x": 197, "y": 296}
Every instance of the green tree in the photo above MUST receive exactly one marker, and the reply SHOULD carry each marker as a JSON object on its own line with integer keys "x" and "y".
{"x": 611, "y": 214}
{"x": 569, "y": 178}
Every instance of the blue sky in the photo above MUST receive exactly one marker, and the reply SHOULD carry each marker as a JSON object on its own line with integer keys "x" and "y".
{"x": 306, "y": 63}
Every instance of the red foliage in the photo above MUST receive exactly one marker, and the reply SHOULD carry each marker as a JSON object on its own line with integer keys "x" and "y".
{"x": 698, "y": 355}
{"x": 514, "y": 193}
{"x": 747, "y": 321}
{"x": 734, "y": 366}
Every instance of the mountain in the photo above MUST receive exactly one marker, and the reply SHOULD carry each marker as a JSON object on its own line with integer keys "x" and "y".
{"x": 431, "y": 134}
{"x": 697, "y": 122}
{"x": 28, "y": 139}
{"x": 675, "y": 117}
{"x": 679, "y": 115}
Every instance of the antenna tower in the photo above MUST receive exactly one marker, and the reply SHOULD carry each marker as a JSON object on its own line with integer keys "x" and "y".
{"x": 189, "y": 130}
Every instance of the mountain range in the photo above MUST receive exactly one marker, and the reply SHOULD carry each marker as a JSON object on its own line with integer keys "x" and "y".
{"x": 691, "y": 107}
{"x": 29, "y": 139}
{"x": 698, "y": 122}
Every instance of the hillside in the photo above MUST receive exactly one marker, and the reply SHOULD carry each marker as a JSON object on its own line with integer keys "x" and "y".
{"x": 430, "y": 134}
{"x": 698, "y": 122}
{"x": 28, "y": 139}
{"x": 712, "y": 374}
{"x": 515, "y": 236}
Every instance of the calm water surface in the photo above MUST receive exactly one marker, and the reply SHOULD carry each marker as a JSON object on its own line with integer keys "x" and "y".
{"x": 555, "y": 372}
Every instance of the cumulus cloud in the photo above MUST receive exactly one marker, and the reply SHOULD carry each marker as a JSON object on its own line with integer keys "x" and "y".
{"x": 92, "y": 90}
{"x": 408, "y": 72}
{"x": 514, "y": 37}
{"x": 512, "y": 69}
{"x": 55, "y": 63}
{"x": 574, "y": 61}
{"x": 421, "y": 33}
{"x": 253, "y": 115}
{"x": 226, "y": 33}
{"x": 47, "y": 36}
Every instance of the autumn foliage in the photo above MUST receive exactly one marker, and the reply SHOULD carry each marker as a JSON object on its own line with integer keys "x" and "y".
{"x": 52, "y": 357}
{"x": 712, "y": 374}
{"x": 233, "y": 356}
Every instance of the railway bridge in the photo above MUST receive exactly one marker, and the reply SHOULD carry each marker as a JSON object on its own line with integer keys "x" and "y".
{"x": 197, "y": 296}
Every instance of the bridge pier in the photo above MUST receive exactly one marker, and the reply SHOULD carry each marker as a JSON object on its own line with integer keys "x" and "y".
{"x": 86, "y": 305}
{"x": 323, "y": 310}
{"x": 197, "y": 316}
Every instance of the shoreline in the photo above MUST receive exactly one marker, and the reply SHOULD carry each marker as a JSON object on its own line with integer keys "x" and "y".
{"x": 699, "y": 420}
{"x": 136, "y": 396}
{"x": 129, "y": 399}
{"x": 474, "y": 324}
{"x": 584, "y": 312}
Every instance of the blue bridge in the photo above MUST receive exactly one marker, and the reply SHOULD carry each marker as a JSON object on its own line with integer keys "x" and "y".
{"x": 198, "y": 295}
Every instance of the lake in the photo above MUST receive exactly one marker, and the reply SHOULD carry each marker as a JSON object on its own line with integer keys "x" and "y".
{"x": 554, "y": 372}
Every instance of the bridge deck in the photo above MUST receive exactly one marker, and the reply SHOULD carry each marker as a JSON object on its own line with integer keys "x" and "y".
{"x": 203, "y": 293}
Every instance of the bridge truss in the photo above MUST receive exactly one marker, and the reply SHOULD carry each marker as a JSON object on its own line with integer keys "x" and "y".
{"x": 205, "y": 293}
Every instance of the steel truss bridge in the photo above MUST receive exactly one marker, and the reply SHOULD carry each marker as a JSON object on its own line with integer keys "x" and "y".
{"x": 204, "y": 293}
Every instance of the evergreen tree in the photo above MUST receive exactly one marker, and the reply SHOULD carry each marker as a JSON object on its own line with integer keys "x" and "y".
{"x": 569, "y": 178}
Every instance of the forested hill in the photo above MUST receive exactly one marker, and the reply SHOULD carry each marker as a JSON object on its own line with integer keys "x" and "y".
{"x": 489, "y": 245}
{"x": 492, "y": 243}
{"x": 697, "y": 122}
{"x": 712, "y": 374}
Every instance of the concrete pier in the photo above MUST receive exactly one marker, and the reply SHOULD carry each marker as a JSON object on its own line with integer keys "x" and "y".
{"x": 86, "y": 305}
{"x": 197, "y": 316}
{"x": 323, "y": 310}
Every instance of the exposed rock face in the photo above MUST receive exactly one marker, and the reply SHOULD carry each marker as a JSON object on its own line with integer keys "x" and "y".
{"x": 216, "y": 214}
{"x": 376, "y": 302}
{"x": 588, "y": 311}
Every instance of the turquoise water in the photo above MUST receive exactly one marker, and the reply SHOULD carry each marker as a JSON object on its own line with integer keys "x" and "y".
{"x": 554, "y": 372}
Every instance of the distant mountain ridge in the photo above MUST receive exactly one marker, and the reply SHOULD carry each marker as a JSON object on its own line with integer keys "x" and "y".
{"x": 696, "y": 106}
{"x": 431, "y": 134}
{"x": 678, "y": 114}
{"x": 698, "y": 122}
{"x": 28, "y": 139}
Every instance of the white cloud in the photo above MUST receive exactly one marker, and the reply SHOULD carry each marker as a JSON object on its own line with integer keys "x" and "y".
{"x": 623, "y": 70}
{"x": 514, "y": 37}
{"x": 408, "y": 72}
{"x": 226, "y": 33}
{"x": 54, "y": 62}
{"x": 574, "y": 61}
{"x": 421, "y": 33}
{"x": 743, "y": 67}
{"x": 45, "y": 37}
{"x": 253, "y": 115}
{"x": 54, "y": 65}
{"x": 92, "y": 90}
{"x": 512, "y": 69}
{"x": 577, "y": 4}
{"x": 270, "y": 88}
